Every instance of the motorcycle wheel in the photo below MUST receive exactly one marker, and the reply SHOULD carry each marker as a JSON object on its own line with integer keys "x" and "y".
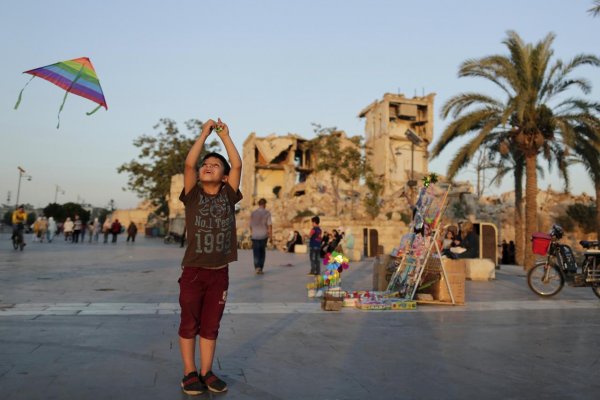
{"x": 596, "y": 290}
{"x": 548, "y": 287}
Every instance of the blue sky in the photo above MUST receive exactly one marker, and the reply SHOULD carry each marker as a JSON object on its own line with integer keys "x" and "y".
{"x": 262, "y": 66}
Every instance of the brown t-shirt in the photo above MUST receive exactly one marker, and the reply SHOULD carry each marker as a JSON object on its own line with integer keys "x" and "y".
{"x": 210, "y": 225}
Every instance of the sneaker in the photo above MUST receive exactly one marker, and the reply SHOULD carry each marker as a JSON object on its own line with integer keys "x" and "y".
{"x": 310, "y": 273}
{"x": 213, "y": 383}
{"x": 260, "y": 271}
{"x": 257, "y": 271}
{"x": 192, "y": 384}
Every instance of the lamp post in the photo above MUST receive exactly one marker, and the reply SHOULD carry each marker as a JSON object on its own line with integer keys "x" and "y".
{"x": 22, "y": 174}
{"x": 414, "y": 140}
{"x": 57, "y": 191}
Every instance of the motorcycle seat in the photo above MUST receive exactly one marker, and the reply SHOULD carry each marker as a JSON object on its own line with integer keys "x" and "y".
{"x": 586, "y": 244}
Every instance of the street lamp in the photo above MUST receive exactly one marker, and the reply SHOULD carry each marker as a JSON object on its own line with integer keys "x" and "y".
{"x": 22, "y": 174}
{"x": 414, "y": 140}
{"x": 57, "y": 191}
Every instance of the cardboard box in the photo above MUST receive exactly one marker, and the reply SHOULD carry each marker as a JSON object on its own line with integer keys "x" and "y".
{"x": 457, "y": 284}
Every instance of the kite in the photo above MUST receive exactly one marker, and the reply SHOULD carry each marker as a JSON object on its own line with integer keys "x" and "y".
{"x": 76, "y": 76}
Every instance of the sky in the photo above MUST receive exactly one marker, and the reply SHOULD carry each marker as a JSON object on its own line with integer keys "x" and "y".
{"x": 262, "y": 66}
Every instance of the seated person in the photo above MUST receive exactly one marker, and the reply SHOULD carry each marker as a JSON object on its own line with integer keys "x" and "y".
{"x": 470, "y": 241}
{"x": 291, "y": 244}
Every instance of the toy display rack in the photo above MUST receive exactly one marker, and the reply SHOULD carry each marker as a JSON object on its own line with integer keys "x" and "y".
{"x": 420, "y": 246}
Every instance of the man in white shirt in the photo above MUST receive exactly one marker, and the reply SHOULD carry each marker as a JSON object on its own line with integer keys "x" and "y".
{"x": 262, "y": 231}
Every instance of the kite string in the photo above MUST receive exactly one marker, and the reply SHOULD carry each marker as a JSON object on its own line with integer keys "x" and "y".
{"x": 21, "y": 92}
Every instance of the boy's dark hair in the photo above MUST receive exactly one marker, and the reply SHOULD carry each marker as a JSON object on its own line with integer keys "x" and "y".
{"x": 226, "y": 165}
{"x": 316, "y": 219}
{"x": 262, "y": 202}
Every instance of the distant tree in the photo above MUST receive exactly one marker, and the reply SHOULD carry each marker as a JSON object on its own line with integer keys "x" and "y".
{"x": 372, "y": 200}
{"x": 161, "y": 156}
{"x": 55, "y": 211}
{"x": 74, "y": 208}
{"x": 102, "y": 215}
{"x": 7, "y": 218}
{"x": 344, "y": 163}
{"x": 31, "y": 217}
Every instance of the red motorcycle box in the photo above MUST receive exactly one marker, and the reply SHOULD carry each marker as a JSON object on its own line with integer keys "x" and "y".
{"x": 540, "y": 243}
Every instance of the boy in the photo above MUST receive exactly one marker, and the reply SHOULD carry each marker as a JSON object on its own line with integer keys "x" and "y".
{"x": 209, "y": 195}
{"x": 315, "y": 246}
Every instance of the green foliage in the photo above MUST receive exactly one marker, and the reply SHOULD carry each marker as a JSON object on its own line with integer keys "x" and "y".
{"x": 7, "y": 218}
{"x": 161, "y": 156}
{"x": 407, "y": 219}
{"x": 583, "y": 215}
{"x": 565, "y": 222}
{"x": 345, "y": 162}
{"x": 595, "y": 10}
{"x": 55, "y": 211}
{"x": 458, "y": 209}
{"x": 372, "y": 200}
{"x": 102, "y": 216}
{"x": 304, "y": 213}
{"x": 31, "y": 217}
{"x": 70, "y": 209}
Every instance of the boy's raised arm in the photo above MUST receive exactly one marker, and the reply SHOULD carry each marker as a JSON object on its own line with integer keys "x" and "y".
{"x": 190, "y": 173}
{"x": 235, "y": 175}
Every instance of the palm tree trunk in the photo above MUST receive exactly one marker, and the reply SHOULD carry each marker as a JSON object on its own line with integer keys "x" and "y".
{"x": 519, "y": 236}
{"x": 597, "y": 185}
{"x": 530, "y": 206}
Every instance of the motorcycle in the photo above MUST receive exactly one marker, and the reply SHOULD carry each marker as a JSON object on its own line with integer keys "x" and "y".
{"x": 548, "y": 276}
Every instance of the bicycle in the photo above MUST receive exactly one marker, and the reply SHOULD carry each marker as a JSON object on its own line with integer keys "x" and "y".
{"x": 548, "y": 277}
{"x": 17, "y": 238}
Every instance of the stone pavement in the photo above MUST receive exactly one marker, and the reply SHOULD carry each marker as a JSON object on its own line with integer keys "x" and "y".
{"x": 81, "y": 321}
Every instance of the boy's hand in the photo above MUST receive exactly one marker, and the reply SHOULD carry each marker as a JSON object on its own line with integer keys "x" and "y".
{"x": 208, "y": 127}
{"x": 222, "y": 129}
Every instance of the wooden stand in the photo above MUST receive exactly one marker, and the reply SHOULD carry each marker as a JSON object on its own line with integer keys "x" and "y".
{"x": 421, "y": 249}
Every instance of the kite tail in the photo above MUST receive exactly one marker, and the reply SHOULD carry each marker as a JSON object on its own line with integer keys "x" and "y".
{"x": 61, "y": 107}
{"x": 21, "y": 93}
{"x": 94, "y": 110}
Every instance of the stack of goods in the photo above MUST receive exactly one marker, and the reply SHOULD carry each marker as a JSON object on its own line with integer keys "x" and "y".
{"x": 381, "y": 301}
{"x": 333, "y": 300}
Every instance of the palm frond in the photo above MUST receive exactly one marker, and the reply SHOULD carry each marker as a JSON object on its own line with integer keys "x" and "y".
{"x": 595, "y": 11}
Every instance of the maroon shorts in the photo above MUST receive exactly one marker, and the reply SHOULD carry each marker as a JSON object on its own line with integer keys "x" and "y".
{"x": 202, "y": 297}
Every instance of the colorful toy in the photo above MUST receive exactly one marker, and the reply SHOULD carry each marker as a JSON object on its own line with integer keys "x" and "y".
{"x": 75, "y": 76}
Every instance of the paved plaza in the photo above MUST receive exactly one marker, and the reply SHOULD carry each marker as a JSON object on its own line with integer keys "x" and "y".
{"x": 95, "y": 321}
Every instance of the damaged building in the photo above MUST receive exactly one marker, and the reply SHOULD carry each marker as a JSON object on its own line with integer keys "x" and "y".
{"x": 397, "y": 132}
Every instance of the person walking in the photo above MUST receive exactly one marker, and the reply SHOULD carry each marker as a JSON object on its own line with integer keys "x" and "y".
{"x": 315, "y": 246}
{"x": 90, "y": 230}
{"x": 52, "y": 228}
{"x": 106, "y": 229}
{"x": 76, "y": 229}
{"x": 97, "y": 229}
{"x": 261, "y": 231}
{"x": 43, "y": 228}
{"x": 131, "y": 232}
{"x": 68, "y": 229}
{"x": 209, "y": 196}
{"x": 115, "y": 229}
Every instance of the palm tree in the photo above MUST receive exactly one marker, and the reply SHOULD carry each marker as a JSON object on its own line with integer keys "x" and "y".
{"x": 532, "y": 116}
{"x": 587, "y": 153}
{"x": 595, "y": 11}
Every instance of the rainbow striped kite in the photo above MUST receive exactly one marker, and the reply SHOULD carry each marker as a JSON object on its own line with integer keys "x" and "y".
{"x": 76, "y": 76}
